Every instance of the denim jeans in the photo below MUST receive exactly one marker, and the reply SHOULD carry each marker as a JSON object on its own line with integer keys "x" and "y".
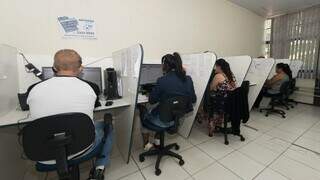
{"x": 106, "y": 139}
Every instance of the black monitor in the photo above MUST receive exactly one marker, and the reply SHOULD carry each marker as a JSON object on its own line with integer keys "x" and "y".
{"x": 150, "y": 73}
{"x": 92, "y": 74}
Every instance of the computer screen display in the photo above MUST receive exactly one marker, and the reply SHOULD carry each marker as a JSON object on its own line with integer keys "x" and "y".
{"x": 150, "y": 73}
{"x": 92, "y": 74}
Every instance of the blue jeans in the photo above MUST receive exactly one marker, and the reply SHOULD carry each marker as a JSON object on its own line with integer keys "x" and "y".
{"x": 103, "y": 141}
{"x": 154, "y": 118}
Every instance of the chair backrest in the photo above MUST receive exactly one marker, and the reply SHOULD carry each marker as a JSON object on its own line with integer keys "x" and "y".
{"x": 37, "y": 136}
{"x": 174, "y": 108}
{"x": 284, "y": 88}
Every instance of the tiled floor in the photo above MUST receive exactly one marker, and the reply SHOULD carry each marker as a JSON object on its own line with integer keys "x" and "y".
{"x": 271, "y": 152}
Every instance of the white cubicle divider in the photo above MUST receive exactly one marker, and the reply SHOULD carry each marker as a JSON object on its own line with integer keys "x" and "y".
{"x": 8, "y": 79}
{"x": 273, "y": 71}
{"x": 239, "y": 66}
{"x": 257, "y": 75}
{"x": 295, "y": 67}
{"x": 199, "y": 67}
{"x": 127, "y": 63}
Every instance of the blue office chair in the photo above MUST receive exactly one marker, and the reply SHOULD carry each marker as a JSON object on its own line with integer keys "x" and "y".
{"x": 56, "y": 138}
{"x": 170, "y": 111}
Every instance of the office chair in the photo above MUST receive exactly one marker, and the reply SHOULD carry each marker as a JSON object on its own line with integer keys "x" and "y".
{"x": 56, "y": 138}
{"x": 292, "y": 87}
{"x": 277, "y": 99}
{"x": 170, "y": 111}
{"x": 231, "y": 104}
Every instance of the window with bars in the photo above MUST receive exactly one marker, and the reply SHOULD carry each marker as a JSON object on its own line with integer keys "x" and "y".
{"x": 296, "y": 36}
{"x": 267, "y": 37}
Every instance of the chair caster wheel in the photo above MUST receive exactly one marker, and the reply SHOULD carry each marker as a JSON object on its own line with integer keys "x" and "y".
{"x": 260, "y": 110}
{"x": 267, "y": 115}
{"x": 226, "y": 142}
{"x": 141, "y": 158}
{"x": 242, "y": 139}
{"x": 176, "y": 147}
{"x": 181, "y": 162}
{"x": 158, "y": 172}
{"x": 283, "y": 116}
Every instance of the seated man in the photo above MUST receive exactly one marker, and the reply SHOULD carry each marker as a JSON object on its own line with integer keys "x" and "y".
{"x": 67, "y": 93}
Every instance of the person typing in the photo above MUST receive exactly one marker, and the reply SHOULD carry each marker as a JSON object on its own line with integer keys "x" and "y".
{"x": 66, "y": 93}
{"x": 174, "y": 82}
{"x": 272, "y": 86}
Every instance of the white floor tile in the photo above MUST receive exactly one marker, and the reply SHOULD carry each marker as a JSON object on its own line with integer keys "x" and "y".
{"x": 215, "y": 171}
{"x": 249, "y": 133}
{"x": 197, "y": 136}
{"x": 273, "y": 143}
{"x": 284, "y": 135}
{"x": 170, "y": 170}
{"x": 134, "y": 176}
{"x": 309, "y": 144}
{"x": 182, "y": 142}
{"x": 242, "y": 165}
{"x": 215, "y": 149}
{"x": 304, "y": 156}
{"x": 119, "y": 168}
{"x": 195, "y": 160}
{"x": 314, "y": 135}
{"x": 269, "y": 174}
{"x": 262, "y": 127}
{"x": 294, "y": 170}
{"x": 234, "y": 141}
{"x": 259, "y": 153}
{"x": 149, "y": 160}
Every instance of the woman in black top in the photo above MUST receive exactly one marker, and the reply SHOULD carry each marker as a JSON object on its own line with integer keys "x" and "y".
{"x": 173, "y": 83}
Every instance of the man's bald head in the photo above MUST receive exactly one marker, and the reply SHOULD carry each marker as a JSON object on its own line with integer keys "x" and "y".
{"x": 67, "y": 60}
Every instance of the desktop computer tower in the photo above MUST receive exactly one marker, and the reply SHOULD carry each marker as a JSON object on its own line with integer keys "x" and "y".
{"x": 111, "y": 84}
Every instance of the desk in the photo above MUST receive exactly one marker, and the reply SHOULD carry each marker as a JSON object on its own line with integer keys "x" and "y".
{"x": 142, "y": 98}
{"x": 17, "y": 116}
{"x": 252, "y": 84}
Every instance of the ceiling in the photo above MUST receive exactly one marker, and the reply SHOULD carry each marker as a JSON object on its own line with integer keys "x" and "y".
{"x": 270, "y": 8}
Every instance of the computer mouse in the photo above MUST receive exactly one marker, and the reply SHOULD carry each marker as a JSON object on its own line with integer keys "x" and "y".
{"x": 109, "y": 103}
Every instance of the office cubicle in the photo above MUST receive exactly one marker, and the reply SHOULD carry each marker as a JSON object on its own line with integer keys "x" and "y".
{"x": 8, "y": 79}
{"x": 127, "y": 63}
{"x": 257, "y": 75}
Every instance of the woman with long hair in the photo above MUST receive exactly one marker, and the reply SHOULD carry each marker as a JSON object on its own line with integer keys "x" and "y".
{"x": 174, "y": 82}
{"x": 272, "y": 86}
{"x": 222, "y": 82}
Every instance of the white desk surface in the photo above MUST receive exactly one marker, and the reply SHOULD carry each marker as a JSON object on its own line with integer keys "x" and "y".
{"x": 253, "y": 84}
{"x": 17, "y": 116}
{"x": 116, "y": 104}
{"x": 142, "y": 99}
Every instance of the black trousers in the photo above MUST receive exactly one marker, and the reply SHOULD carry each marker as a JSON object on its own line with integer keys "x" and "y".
{"x": 263, "y": 92}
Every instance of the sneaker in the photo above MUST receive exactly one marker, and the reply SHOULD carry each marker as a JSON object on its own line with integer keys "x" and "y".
{"x": 148, "y": 146}
{"x": 96, "y": 174}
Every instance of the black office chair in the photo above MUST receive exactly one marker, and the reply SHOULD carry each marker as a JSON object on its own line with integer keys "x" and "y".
{"x": 57, "y": 137}
{"x": 292, "y": 87}
{"x": 277, "y": 99}
{"x": 170, "y": 111}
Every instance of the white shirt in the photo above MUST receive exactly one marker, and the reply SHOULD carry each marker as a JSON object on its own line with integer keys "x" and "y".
{"x": 59, "y": 95}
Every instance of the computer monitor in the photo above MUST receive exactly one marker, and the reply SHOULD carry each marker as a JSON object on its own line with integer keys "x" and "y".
{"x": 150, "y": 73}
{"x": 92, "y": 74}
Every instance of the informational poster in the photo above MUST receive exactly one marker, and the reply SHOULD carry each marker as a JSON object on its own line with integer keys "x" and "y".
{"x": 77, "y": 28}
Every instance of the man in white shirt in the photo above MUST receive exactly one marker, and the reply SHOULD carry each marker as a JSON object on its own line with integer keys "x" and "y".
{"x": 66, "y": 93}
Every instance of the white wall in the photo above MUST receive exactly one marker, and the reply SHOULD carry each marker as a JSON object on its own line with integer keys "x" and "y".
{"x": 162, "y": 26}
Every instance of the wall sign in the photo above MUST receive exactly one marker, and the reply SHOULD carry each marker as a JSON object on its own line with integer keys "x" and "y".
{"x": 77, "y": 28}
